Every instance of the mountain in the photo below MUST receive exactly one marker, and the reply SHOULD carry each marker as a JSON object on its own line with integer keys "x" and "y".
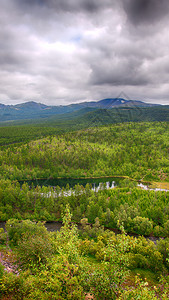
{"x": 34, "y": 110}
{"x": 2, "y": 106}
{"x": 112, "y": 102}
{"x": 31, "y": 105}
{"x": 119, "y": 102}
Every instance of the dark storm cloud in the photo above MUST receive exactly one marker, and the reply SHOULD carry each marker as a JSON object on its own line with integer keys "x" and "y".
{"x": 148, "y": 11}
{"x": 122, "y": 73}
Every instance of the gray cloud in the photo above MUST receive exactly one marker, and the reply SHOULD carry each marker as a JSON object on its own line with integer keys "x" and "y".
{"x": 69, "y": 5}
{"x": 59, "y": 52}
{"x": 148, "y": 11}
{"x": 119, "y": 73}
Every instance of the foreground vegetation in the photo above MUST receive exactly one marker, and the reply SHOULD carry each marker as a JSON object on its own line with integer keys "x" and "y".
{"x": 64, "y": 265}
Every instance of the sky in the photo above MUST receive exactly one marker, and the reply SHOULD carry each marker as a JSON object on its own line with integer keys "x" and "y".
{"x": 59, "y": 52}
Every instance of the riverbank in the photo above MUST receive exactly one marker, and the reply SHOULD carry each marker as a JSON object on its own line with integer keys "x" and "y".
{"x": 56, "y": 226}
{"x": 159, "y": 185}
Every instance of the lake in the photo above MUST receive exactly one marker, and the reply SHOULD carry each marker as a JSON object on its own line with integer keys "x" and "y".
{"x": 63, "y": 182}
{"x": 96, "y": 183}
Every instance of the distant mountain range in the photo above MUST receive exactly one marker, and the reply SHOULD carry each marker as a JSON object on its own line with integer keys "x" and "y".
{"x": 34, "y": 110}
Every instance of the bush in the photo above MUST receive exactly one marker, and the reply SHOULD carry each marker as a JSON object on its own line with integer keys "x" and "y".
{"x": 166, "y": 228}
{"x": 142, "y": 226}
{"x": 11, "y": 285}
{"x": 146, "y": 255}
{"x": 138, "y": 261}
{"x": 34, "y": 252}
{"x": 163, "y": 248}
{"x": 158, "y": 231}
{"x": 1, "y": 270}
{"x": 141, "y": 291}
{"x": 18, "y": 230}
{"x": 106, "y": 280}
{"x": 2, "y": 236}
{"x": 32, "y": 240}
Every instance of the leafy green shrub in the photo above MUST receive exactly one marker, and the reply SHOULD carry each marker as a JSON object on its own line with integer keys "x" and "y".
{"x": 138, "y": 261}
{"x": 70, "y": 277}
{"x": 59, "y": 280}
{"x": 33, "y": 242}
{"x": 11, "y": 285}
{"x": 106, "y": 280}
{"x": 142, "y": 226}
{"x": 2, "y": 236}
{"x": 18, "y": 230}
{"x": 66, "y": 240}
{"x": 140, "y": 291}
{"x": 34, "y": 251}
{"x": 84, "y": 246}
{"x": 145, "y": 255}
{"x": 163, "y": 248}
{"x": 1, "y": 270}
{"x": 166, "y": 229}
{"x": 3, "y": 216}
{"x": 158, "y": 231}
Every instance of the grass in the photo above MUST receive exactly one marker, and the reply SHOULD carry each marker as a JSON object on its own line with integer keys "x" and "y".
{"x": 160, "y": 185}
{"x": 145, "y": 275}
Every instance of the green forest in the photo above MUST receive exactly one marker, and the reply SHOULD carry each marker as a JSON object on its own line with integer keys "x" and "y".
{"x": 114, "y": 243}
{"x": 137, "y": 150}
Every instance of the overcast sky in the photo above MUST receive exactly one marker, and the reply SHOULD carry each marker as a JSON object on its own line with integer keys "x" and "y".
{"x": 65, "y": 51}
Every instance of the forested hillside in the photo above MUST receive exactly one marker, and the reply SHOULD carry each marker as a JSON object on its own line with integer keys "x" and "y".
{"x": 137, "y": 150}
{"x": 22, "y": 134}
{"x": 95, "y": 116}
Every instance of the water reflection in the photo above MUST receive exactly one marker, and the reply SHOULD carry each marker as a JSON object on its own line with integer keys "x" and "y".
{"x": 67, "y": 189}
{"x": 106, "y": 185}
{"x": 97, "y": 187}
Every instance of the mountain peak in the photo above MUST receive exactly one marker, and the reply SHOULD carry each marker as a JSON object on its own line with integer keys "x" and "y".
{"x": 110, "y": 102}
{"x": 121, "y": 102}
{"x": 31, "y": 105}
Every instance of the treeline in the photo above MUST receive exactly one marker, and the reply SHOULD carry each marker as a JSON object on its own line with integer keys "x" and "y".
{"x": 23, "y": 134}
{"x": 119, "y": 115}
{"x": 139, "y": 211}
{"x": 137, "y": 150}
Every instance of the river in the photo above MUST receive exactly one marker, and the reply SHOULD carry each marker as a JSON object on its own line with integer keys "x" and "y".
{"x": 55, "y": 226}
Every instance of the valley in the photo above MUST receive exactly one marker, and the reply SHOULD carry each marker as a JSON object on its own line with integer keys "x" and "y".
{"x": 50, "y": 172}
